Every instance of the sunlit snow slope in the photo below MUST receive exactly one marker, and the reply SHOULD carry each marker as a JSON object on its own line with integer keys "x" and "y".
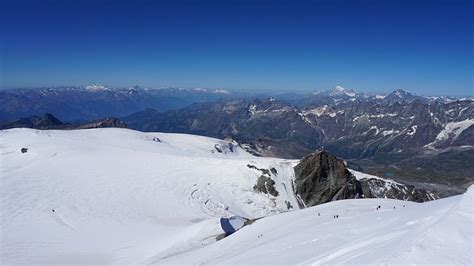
{"x": 113, "y": 196}
{"x": 119, "y": 195}
{"x": 436, "y": 232}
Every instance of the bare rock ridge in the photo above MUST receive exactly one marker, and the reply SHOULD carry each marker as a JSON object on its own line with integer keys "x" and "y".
{"x": 48, "y": 121}
{"x": 379, "y": 188}
{"x": 103, "y": 123}
{"x": 322, "y": 177}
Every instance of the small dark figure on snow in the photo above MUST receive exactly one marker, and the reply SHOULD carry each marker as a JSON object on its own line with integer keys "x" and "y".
{"x": 24, "y": 150}
{"x": 52, "y": 210}
{"x": 394, "y": 207}
{"x": 319, "y": 214}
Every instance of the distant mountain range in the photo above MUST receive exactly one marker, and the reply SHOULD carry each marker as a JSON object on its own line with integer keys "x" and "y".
{"x": 98, "y": 101}
{"x": 48, "y": 121}
{"x": 401, "y": 135}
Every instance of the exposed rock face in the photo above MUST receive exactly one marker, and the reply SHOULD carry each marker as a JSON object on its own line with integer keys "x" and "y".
{"x": 378, "y": 188}
{"x": 322, "y": 177}
{"x": 266, "y": 185}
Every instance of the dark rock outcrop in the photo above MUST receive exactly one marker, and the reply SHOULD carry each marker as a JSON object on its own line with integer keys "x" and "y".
{"x": 48, "y": 121}
{"x": 379, "y": 188}
{"x": 104, "y": 123}
{"x": 322, "y": 177}
{"x": 266, "y": 185}
{"x": 263, "y": 170}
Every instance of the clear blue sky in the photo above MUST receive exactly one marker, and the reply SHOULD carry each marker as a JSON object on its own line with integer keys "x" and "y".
{"x": 423, "y": 46}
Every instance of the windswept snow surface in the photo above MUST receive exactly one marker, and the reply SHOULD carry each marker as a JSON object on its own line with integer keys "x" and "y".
{"x": 117, "y": 196}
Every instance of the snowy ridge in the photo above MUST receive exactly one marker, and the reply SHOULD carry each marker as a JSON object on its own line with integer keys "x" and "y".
{"x": 360, "y": 176}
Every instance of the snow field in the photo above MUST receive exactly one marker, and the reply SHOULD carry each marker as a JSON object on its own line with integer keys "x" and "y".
{"x": 117, "y": 196}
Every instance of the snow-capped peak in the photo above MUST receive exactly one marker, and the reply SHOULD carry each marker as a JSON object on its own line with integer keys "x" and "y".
{"x": 400, "y": 93}
{"x": 221, "y": 91}
{"x": 96, "y": 87}
{"x": 134, "y": 87}
{"x": 339, "y": 90}
{"x": 200, "y": 89}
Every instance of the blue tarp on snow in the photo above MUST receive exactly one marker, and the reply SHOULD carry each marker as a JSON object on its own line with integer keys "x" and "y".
{"x": 232, "y": 224}
{"x": 226, "y": 226}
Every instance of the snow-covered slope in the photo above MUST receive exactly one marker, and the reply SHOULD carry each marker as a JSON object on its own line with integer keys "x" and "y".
{"x": 120, "y": 195}
{"x": 112, "y": 196}
{"x": 436, "y": 232}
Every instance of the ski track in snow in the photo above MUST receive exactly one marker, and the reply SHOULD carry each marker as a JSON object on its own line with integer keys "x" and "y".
{"x": 123, "y": 197}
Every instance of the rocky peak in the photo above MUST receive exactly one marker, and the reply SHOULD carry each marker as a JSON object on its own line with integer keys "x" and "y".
{"x": 134, "y": 89}
{"x": 105, "y": 123}
{"x": 48, "y": 121}
{"x": 400, "y": 95}
{"x": 322, "y": 177}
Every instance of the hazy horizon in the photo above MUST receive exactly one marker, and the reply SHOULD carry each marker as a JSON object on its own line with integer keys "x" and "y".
{"x": 376, "y": 46}
{"x": 255, "y": 91}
